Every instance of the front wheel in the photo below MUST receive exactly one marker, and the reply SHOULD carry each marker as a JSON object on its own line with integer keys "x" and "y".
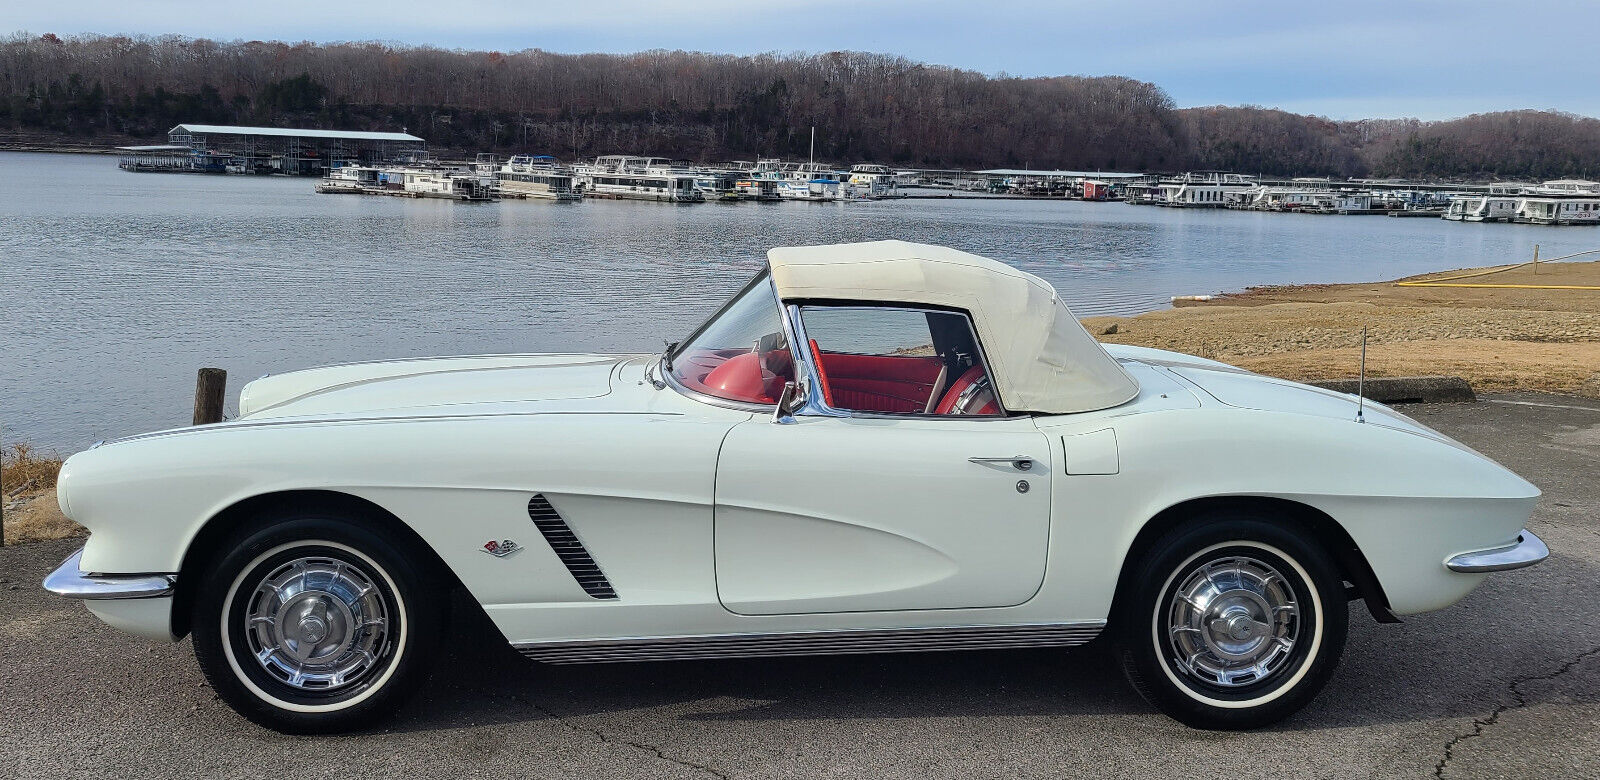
{"x": 1232, "y": 622}
{"x": 315, "y": 624}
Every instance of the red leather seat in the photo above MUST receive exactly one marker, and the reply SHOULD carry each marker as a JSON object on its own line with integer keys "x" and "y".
{"x": 741, "y": 378}
{"x": 822, "y": 374}
{"x": 898, "y": 384}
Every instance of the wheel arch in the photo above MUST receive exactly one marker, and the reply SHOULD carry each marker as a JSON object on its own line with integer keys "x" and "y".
{"x": 221, "y": 527}
{"x": 1328, "y": 532}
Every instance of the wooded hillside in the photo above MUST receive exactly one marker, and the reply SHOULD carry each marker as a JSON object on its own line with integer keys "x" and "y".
{"x": 709, "y": 107}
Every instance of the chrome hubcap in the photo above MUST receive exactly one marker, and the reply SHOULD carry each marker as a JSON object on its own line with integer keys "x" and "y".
{"x": 1234, "y": 621}
{"x": 317, "y": 623}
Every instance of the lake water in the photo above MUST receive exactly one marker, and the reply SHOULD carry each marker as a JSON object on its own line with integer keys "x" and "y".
{"x": 115, "y": 286}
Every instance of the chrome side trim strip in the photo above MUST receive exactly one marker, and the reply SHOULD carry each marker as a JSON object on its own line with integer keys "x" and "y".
{"x": 838, "y": 642}
{"x": 1528, "y": 551}
{"x": 69, "y": 581}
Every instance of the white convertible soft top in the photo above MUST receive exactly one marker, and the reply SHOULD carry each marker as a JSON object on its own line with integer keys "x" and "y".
{"x": 1041, "y": 358}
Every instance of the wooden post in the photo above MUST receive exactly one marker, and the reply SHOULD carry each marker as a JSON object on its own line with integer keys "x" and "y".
{"x": 209, "y": 387}
{"x": 1536, "y": 258}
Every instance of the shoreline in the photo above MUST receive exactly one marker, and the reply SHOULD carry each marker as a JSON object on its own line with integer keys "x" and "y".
{"x": 1500, "y": 339}
{"x": 107, "y": 148}
{"x": 6, "y": 146}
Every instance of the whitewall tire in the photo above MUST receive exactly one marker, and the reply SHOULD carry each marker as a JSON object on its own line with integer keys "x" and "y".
{"x": 313, "y": 624}
{"x": 1232, "y": 622}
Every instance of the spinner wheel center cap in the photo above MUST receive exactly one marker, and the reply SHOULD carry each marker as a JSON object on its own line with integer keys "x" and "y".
{"x": 313, "y": 629}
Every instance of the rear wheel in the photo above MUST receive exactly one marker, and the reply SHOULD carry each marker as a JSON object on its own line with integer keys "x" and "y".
{"x": 315, "y": 624}
{"x": 1232, "y": 622}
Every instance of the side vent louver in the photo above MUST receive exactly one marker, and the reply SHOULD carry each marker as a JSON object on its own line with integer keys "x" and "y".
{"x": 567, "y": 547}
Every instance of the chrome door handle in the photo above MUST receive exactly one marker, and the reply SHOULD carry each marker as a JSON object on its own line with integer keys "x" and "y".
{"x": 1019, "y": 462}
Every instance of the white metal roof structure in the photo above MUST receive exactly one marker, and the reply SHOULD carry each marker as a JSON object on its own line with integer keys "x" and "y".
{"x": 1040, "y": 357}
{"x": 348, "y": 135}
{"x": 1061, "y": 174}
{"x": 156, "y": 148}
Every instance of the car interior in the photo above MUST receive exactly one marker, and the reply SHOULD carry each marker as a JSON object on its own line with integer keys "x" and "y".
{"x": 941, "y": 374}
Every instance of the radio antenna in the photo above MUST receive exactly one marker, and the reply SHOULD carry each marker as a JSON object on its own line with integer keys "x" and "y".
{"x": 1361, "y": 378}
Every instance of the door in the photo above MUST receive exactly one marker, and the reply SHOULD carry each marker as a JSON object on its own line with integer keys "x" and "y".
{"x": 832, "y": 514}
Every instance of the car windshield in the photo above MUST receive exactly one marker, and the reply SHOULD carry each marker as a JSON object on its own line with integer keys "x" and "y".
{"x": 741, "y": 353}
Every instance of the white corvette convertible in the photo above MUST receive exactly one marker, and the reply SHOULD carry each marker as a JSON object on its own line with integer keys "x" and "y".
{"x": 877, "y": 447}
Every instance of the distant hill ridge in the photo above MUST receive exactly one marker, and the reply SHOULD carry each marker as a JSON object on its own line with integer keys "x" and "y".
{"x": 710, "y": 107}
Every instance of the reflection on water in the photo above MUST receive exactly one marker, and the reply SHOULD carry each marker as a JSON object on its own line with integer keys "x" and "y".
{"x": 116, "y": 286}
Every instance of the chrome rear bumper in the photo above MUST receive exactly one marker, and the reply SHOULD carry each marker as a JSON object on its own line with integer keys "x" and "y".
{"x": 70, "y": 581}
{"x": 1528, "y": 551}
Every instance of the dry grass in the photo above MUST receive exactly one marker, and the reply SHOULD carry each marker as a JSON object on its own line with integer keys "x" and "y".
{"x": 20, "y": 465}
{"x": 32, "y": 514}
{"x": 1497, "y": 339}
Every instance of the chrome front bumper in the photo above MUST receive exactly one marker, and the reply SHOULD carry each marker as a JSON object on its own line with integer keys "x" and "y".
{"x": 1527, "y": 551}
{"x": 70, "y": 581}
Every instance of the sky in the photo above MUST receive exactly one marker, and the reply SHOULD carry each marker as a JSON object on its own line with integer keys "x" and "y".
{"x": 1350, "y": 59}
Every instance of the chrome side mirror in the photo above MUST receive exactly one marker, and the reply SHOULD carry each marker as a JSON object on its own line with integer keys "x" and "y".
{"x": 788, "y": 402}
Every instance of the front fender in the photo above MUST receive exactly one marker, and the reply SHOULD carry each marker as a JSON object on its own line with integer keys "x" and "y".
{"x": 456, "y": 483}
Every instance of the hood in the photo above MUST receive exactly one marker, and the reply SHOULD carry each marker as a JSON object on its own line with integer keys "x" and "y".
{"x": 413, "y": 386}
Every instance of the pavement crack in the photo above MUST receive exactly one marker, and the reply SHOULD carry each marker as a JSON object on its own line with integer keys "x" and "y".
{"x": 579, "y": 728}
{"x": 1519, "y": 700}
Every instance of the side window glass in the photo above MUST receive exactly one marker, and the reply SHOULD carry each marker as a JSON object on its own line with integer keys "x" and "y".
{"x": 898, "y": 361}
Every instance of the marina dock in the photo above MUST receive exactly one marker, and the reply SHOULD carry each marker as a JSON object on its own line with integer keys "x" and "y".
{"x": 400, "y": 165}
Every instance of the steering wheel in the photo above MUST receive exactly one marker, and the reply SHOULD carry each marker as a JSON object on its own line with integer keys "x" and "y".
{"x": 971, "y": 393}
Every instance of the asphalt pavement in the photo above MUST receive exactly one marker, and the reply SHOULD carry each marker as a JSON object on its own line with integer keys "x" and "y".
{"x": 1504, "y": 684}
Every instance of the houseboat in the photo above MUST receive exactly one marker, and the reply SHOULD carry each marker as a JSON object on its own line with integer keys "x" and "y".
{"x": 718, "y": 184}
{"x": 764, "y": 180}
{"x": 450, "y": 183}
{"x": 1305, "y": 199}
{"x": 1568, "y": 187}
{"x": 817, "y": 190}
{"x": 1203, "y": 189}
{"x": 351, "y": 178}
{"x": 1545, "y": 209}
{"x": 1559, "y": 202}
{"x": 758, "y": 188}
{"x": 1144, "y": 191}
{"x": 873, "y": 181}
{"x": 626, "y": 177}
{"x": 1481, "y": 208}
{"x": 536, "y": 176}
{"x": 814, "y": 181}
